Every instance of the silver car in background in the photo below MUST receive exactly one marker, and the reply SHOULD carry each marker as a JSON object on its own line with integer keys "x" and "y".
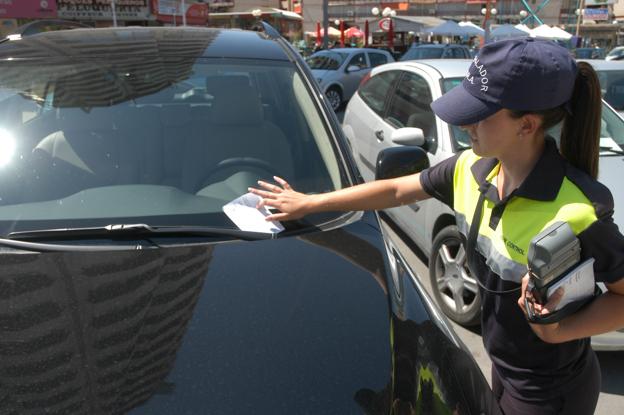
{"x": 390, "y": 109}
{"x": 339, "y": 71}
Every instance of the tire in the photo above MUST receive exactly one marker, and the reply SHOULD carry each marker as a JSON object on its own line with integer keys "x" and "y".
{"x": 334, "y": 96}
{"x": 455, "y": 290}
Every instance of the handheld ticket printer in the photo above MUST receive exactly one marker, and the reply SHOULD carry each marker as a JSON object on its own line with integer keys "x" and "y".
{"x": 553, "y": 262}
{"x": 552, "y": 253}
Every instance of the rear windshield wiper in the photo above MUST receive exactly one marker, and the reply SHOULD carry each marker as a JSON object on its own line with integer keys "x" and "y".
{"x": 136, "y": 229}
{"x": 612, "y": 150}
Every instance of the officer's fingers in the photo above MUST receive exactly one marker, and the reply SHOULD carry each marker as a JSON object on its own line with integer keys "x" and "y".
{"x": 278, "y": 216}
{"x": 270, "y": 186}
{"x": 262, "y": 193}
{"x": 282, "y": 182}
{"x": 553, "y": 301}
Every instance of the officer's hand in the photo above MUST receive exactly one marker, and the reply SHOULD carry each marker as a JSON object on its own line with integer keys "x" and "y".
{"x": 291, "y": 204}
{"x": 546, "y": 332}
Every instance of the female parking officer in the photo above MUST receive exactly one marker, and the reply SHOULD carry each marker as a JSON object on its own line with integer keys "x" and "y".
{"x": 508, "y": 188}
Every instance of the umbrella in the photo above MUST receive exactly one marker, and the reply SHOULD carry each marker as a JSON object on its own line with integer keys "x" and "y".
{"x": 451, "y": 28}
{"x": 354, "y": 32}
{"x": 507, "y": 31}
{"x": 318, "y": 33}
{"x": 547, "y": 32}
{"x": 560, "y": 33}
{"x": 331, "y": 32}
{"x": 342, "y": 34}
{"x": 472, "y": 29}
{"x": 366, "y": 34}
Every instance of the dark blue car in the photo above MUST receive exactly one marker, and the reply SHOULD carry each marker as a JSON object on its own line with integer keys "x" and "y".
{"x": 125, "y": 288}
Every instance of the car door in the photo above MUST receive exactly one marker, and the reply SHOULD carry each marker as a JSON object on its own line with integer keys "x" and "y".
{"x": 363, "y": 121}
{"x": 409, "y": 106}
{"x": 351, "y": 80}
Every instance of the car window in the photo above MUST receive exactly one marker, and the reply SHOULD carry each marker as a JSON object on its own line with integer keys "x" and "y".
{"x": 358, "y": 60}
{"x": 458, "y": 53}
{"x": 410, "y": 105}
{"x": 174, "y": 139}
{"x": 612, "y": 87}
{"x": 374, "y": 91}
{"x": 377, "y": 59}
{"x": 611, "y": 126}
{"x": 461, "y": 139}
{"x": 326, "y": 60}
{"x": 423, "y": 53}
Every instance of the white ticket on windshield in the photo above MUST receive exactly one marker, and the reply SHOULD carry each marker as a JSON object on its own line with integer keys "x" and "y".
{"x": 243, "y": 212}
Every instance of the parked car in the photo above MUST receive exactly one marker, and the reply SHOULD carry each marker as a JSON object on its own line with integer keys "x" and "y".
{"x": 437, "y": 51}
{"x": 124, "y": 288}
{"x": 339, "y": 71}
{"x": 589, "y": 53}
{"x": 611, "y": 77}
{"x": 391, "y": 110}
{"x": 615, "y": 54}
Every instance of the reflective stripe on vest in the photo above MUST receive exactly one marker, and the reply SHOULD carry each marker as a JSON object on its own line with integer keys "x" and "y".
{"x": 505, "y": 248}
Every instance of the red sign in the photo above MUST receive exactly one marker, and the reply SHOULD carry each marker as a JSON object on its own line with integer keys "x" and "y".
{"x": 384, "y": 24}
{"x": 168, "y": 11}
{"x": 27, "y": 9}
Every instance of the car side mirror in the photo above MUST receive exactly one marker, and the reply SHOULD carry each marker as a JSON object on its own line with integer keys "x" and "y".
{"x": 408, "y": 136}
{"x": 353, "y": 68}
{"x": 400, "y": 161}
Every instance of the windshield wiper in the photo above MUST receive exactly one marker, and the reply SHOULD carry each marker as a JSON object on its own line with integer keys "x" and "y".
{"x": 136, "y": 229}
{"x": 612, "y": 150}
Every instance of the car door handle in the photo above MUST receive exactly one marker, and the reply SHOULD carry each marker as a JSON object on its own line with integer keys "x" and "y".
{"x": 380, "y": 135}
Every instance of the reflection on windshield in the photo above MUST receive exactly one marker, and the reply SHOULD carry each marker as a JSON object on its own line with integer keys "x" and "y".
{"x": 326, "y": 60}
{"x": 161, "y": 141}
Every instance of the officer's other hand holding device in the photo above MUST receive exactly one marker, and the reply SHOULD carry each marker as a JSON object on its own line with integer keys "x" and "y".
{"x": 557, "y": 284}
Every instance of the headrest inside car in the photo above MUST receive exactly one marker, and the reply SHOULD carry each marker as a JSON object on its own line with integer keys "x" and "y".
{"x": 236, "y": 104}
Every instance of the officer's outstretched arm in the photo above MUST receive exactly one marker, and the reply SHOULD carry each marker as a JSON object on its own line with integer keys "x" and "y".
{"x": 379, "y": 194}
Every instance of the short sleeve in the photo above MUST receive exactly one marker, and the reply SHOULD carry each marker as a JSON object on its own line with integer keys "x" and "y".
{"x": 603, "y": 241}
{"x": 437, "y": 180}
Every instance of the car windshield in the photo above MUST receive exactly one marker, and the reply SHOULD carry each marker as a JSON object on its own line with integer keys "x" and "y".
{"x": 612, "y": 87}
{"x": 161, "y": 141}
{"x": 326, "y": 60}
{"x": 422, "y": 53}
{"x": 611, "y": 131}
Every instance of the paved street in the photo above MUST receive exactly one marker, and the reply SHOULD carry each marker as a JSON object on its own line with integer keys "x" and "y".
{"x": 611, "y": 399}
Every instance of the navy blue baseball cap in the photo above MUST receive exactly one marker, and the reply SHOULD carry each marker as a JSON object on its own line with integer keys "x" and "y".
{"x": 522, "y": 74}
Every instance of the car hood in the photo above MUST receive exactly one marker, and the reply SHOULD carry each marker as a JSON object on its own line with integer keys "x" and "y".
{"x": 610, "y": 173}
{"x": 291, "y": 325}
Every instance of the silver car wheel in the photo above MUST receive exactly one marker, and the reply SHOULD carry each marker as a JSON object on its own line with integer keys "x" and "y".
{"x": 455, "y": 279}
{"x": 455, "y": 290}
{"x": 334, "y": 97}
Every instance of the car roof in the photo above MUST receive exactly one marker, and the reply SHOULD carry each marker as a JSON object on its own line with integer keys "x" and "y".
{"x": 439, "y": 45}
{"x": 353, "y": 50}
{"x": 446, "y": 68}
{"x": 136, "y": 41}
{"x": 604, "y": 65}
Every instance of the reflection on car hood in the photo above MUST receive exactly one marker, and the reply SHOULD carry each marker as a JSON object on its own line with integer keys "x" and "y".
{"x": 290, "y": 325}
{"x": 610, "y": 174}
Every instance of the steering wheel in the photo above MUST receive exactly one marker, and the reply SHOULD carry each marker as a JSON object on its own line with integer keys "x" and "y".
{"x": 238, "y": 162}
